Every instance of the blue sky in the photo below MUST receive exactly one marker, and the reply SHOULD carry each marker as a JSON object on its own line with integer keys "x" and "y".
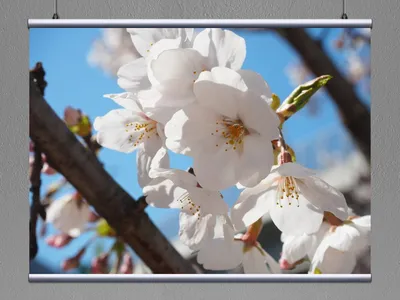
{"x": 71, "y": 81}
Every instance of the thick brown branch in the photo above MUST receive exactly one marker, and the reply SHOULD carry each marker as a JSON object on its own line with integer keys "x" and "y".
{"x": 82, "y": 169}
{"x": 36, "y": 206}
{"x": 354, "y": 114}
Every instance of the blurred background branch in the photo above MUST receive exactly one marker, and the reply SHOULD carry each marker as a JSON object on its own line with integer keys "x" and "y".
{"x": 354, "y": 114}
{"x": 83, "y": 170}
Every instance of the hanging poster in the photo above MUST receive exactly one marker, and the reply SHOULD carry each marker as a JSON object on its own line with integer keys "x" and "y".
{"x": 203, "y": 152}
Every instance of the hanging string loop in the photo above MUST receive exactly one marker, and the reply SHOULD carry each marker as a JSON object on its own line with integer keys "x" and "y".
{"x": 344, "y": 15}
{"x": 55, "y": 15}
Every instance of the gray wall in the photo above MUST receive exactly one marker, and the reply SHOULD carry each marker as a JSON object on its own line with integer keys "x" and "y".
{"x": 14, "y": 140}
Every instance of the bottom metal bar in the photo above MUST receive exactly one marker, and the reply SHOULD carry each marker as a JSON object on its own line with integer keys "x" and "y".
{"x": 200, "y": 278}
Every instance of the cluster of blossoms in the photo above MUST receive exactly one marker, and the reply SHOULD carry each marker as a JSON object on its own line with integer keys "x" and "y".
{"x": 187, "y": 93}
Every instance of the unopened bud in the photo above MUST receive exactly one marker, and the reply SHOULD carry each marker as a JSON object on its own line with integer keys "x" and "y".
{"x": 77, "y": 122}
{"x": 72, "y": 116}
{"x": 127, "y": 264}
{"x": 93, "y": 217}
{"x": 73, "y": 262}
{"x": 285, "y": 265}
{"x": 100, "y": 264}
{"x": 103, "y": 229}
{"x": 59, "y": 240}
{"x": 300, "y": 97}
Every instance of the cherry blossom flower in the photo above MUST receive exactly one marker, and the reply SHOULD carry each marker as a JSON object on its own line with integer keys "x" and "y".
{"x": 46, "y": 169}
{"x": 149, "y": 42}
{"x": 145, "y": 38}
{"x": 200, "y": 208}
{"x": 339, "y": 250}
{"x": 225, "y": 251}
{"x": 173, "y": 71}
{"x": 112, "y": 50}
{"x": 229, "y": 131}
{"x": 297, "y": 248}
{"x": 128, "y": 129}
{"x": 295, "y": 199}
{"x": 69, "y": 214}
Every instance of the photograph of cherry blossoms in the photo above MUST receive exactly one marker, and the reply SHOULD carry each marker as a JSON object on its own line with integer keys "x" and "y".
{"x": 200, "y": 151}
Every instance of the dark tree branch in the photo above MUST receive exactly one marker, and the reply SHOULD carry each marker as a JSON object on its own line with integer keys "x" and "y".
{"x": 36, "y": 206}
{"x": 354, "y": 114}
{"x": 82, "y": 169}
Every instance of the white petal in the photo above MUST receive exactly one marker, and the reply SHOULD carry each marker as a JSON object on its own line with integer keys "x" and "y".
{"x": 295, "y": 220}
{"x": 221, "y": 253}
{"x": 256, "y": 114}
{"x": 126, "y": 100}
{"x": 345, "y": 238}
{"x": 254, "y": 262}
{"x": 192, "y": 128}
{"x": 193, "y": 231}
{"x": 272, "y": 264}
{"x": 146, "y": 157}
{"x": 252, "y": 203}
{"x": 176, "y": 66}
{"x": 161, "y": 46}
{"x": 363, "y": 224}
{"x": 163, "y": 193}
{"x": 179, "y": 177}
{"x": 216, "y": 171}
{"x": 293, "y": 169}
{"x": 255, "y": 161}
{"x": 132, "y": 77}
{"x": 331, "y": 261}
{"x": 256, "y": 84}
{"x": 221, "y": 89}
{"x": 112, "y": 130}
{"x": 318, "y": 237}
{"x": 67, "y": 216}
{"x": 222, "y": 47}
{"x": 324, "y": 196}
{"x": 144, "y": 38}
{"x": 210, "y": 202}
{"x": 296, "y": 248}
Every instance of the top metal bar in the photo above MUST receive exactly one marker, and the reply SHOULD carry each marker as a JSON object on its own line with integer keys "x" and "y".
{"x": 210, "y": 23}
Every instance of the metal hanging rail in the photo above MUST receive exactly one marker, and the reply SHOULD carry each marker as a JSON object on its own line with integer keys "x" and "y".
{"x": 201, "y": 23}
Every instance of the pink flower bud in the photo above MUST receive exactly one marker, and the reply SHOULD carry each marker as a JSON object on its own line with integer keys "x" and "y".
{"x": 58, "y": 240}
{"x": 285, "y": 265}
{"x": 48, "y": 170}
{"x": 93, "y": 217}
{"x": 73, "y": 262}
{"x": 100, "y": 264}
{"x": 31, "y": 146}
{"x": 72, "y": 116}
{"x": 127, "y": 264}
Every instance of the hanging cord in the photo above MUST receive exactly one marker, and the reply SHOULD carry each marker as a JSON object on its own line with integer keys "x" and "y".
{"x": 55, "y": 15}
{"x": 344, "y": 15}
